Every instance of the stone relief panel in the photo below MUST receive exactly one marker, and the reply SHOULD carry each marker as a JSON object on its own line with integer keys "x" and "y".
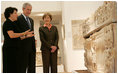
{"x": 38, "y": 59}
{"x": 99, "y": 51}
{"x": 105, "y": 14}
{"x": 88, "y": 25}
{"x": 77, "y": 35}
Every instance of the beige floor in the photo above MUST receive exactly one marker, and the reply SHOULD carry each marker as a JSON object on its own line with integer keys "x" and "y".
{"x": 60, "y": 69}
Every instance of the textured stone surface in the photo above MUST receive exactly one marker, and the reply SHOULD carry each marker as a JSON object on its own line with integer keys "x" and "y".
{"x": 99, "y": 51}
{"x": 38, "y": 59}
{"x": 101, "y": 46}
{"x": 107, "y": 13}
{"x": 115, "y": 44}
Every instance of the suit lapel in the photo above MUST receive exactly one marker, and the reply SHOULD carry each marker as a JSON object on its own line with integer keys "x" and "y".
{"x": 25, "y": 25}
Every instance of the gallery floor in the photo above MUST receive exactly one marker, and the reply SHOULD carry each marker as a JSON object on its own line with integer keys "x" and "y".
{"x": 40, "y": 69}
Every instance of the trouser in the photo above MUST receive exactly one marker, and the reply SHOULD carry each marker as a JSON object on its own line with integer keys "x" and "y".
{"x": 27, "y": 62}
{"x": 49, "y": 60}
{"x": 9, "y": 60}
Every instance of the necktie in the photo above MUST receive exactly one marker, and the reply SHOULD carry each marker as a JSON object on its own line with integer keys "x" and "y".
{"x": 28, "y": 22}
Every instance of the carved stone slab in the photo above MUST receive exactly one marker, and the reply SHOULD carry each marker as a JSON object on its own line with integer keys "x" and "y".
{"x": 99, "y": 51}
{"x": 105, "y": 14}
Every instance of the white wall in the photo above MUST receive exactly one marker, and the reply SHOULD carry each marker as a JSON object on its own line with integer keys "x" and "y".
{"x": 38, "y": 6}
{"x": 75, "y": 11}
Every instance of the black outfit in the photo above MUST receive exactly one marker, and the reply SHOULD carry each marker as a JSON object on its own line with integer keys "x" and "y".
{"x": 11, "y": 48}
{"x": 27, "y": 58}
{"x": 49, "y": 38}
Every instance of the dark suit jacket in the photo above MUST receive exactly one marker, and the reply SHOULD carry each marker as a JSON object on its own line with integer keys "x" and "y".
{"x": 48, "y": 38}
{"x": 29, "y": 43}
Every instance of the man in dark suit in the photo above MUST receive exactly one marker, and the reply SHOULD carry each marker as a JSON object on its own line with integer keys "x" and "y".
{"x": 28, "y": 52}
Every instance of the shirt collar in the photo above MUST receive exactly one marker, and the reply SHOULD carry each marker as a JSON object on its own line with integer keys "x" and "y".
{"x": 46, "y": 25}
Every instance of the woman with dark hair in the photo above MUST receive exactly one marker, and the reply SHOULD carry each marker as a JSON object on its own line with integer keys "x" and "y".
{"x": 12, "y": 38}
{"x": 49, "y": 44}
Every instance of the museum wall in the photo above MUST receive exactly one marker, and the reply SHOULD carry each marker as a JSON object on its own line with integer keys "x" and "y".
{"x": 74, "y": 58}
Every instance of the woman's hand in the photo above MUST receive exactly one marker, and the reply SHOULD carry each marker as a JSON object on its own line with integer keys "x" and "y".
{"x": 53, "y": 48}
{"x": 27, "y": 34}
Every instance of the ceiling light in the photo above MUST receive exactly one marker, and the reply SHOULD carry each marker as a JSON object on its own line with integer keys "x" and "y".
{"x": 41, "y": 14}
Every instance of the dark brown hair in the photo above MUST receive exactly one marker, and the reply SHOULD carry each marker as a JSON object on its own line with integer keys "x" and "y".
{"x": 47, "y": 14}
{"x": 8, "y": 11}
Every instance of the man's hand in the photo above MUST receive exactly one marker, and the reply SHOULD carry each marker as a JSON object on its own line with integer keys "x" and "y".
{"x": 26, "y": 32}
{"x": 29, "y": 35}
{"x": 31, "y": 32}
